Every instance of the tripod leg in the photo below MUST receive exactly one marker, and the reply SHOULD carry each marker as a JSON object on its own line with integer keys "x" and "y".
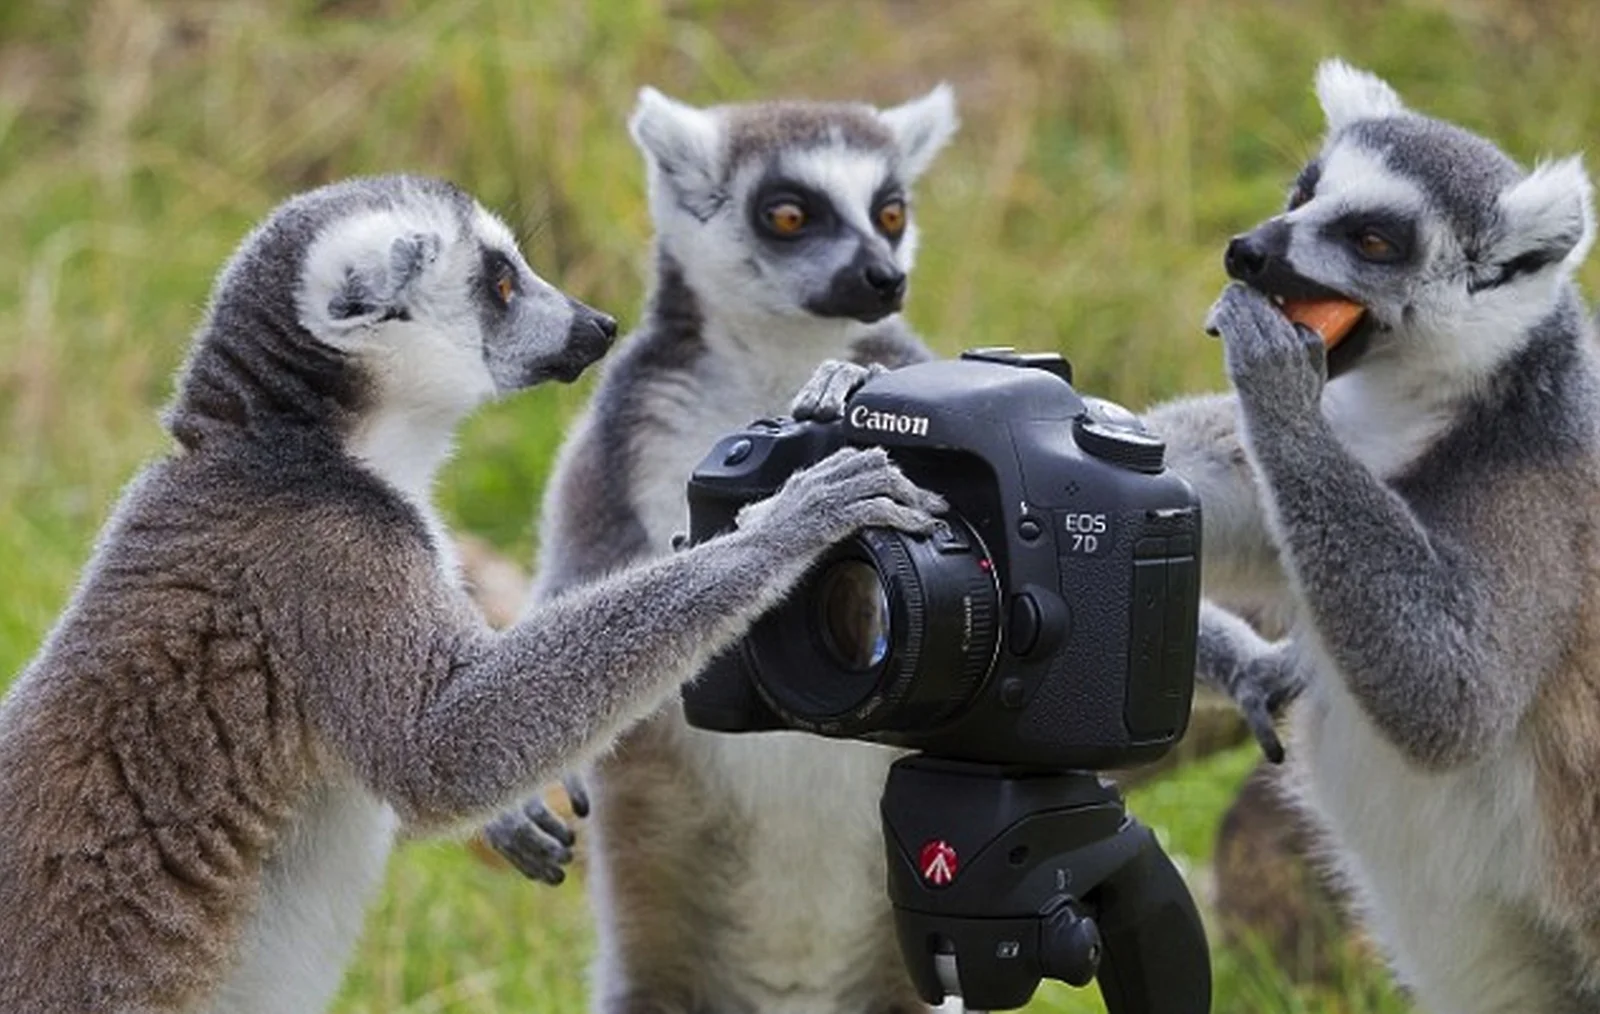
{"x": 1154, "y": 954}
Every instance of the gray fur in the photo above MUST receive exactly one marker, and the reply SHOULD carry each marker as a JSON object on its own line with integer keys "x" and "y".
{"x": 1435, "y": 509}
{"x": 723, "y": 881}
{"x": 268, "y": 661}
{"x": 757, "y": 134}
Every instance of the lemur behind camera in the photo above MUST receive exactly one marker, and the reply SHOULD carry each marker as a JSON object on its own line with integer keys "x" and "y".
{"x": 1044, "y": 631}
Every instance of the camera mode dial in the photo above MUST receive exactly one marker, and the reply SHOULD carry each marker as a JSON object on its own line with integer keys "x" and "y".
{"x": 1123, "y": 446}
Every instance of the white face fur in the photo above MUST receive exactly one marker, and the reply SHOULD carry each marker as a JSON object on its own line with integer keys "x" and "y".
{"x": 790, "y": 210}
{"x": 439, "y": 307}
{"x": 1455, "y": 251}
{"x": 432, "y": 302}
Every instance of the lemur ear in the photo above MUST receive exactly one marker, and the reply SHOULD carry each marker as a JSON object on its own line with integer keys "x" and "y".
{"x": 921, "y": 128}
{"x": 1544, "y": 218}
{"x": 682, "y": 143}
{"x": 376, "y": 290}
{"x": 1348, "y": 95}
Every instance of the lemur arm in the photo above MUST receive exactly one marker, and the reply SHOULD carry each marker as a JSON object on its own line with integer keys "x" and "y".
{"x": 1241, "y": 566}
{"x": 1431, "y": 640}
{"x": 447, "y": 719}
{"x": 590, "y": 529}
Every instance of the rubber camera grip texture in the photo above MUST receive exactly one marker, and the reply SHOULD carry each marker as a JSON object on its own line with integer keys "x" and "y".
{"x": 1154, "y": 955}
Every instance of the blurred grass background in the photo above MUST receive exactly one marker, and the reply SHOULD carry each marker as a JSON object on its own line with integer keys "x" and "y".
{"x": 1107, "y": 151}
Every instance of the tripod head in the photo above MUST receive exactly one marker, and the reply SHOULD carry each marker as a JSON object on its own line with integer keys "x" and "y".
{"x": 1001, "y": 877}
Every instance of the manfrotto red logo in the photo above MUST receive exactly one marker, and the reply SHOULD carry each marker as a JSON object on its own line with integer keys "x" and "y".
{"x": 938, "y": 862}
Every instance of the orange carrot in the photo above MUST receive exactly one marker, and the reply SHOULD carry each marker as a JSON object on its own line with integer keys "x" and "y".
{"x": 1332, "y": 319}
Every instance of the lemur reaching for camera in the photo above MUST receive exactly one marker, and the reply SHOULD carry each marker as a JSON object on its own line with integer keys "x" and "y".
{"x": 1431, "y": 488}
{"x": 723, "y": 878}
{"x": 268, "y": 664}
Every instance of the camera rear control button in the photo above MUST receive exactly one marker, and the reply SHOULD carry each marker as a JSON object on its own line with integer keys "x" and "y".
{"x": 1029, "y": 529}
{"x": 1013, "y": 693}
{"x": 1022, "y": 629}
{"x": 738, "y": 451}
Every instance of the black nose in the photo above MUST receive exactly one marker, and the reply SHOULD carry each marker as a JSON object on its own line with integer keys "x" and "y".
{"x": 1246, "y": 257}
{"x": 605, "y": 324}
{"x": 888, "y": 281}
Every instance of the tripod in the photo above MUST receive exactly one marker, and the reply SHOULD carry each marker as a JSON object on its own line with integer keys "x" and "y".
{"x": 1000, "y": 878}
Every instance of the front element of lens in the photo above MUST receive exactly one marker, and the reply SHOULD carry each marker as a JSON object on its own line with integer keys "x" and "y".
{"x": 852, "y": 614}
{"x": 893, "y": 632}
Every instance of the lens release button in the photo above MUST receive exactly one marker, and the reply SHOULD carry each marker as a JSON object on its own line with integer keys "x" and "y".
{"x": 1022, "y": 630}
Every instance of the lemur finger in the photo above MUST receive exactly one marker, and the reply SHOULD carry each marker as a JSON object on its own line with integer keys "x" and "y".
{"x": 546, "y": 820}
{"x": 882, "y": 512}
{"x": 841, "y": 383}
{"x": 840, "y": 386}
{"x": 528, "y": 847}
{"x": 869, "y": 472}
{"x": 1246, "y": 314}
{"x": 845, "y": 464}
{"x": 820, "y": 398}
{"x": 577, "y": 794}
{"x": 909, "y": 493}
{"x": 888, "y": 482}
{"x": 1259, "y": 719}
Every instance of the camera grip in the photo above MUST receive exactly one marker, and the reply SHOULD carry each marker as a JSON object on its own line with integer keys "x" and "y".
{"x": 1154, "y": 956}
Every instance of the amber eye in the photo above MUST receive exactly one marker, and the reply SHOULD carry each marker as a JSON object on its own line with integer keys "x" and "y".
{"x": 505, "y": 287}
{"x": 1374, "y": 247}
{"x": 786, "y": 218}
{"x": 892, "y": 218}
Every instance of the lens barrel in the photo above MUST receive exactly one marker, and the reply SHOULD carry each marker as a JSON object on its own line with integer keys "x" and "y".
{"x": 890, "y": 632}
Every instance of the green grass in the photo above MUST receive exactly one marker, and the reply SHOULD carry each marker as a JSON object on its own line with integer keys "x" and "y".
{"x": 1107, "y": 152}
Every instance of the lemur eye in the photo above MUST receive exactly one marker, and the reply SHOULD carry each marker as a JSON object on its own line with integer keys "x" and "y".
{"x": 786, "y": 218}
{"x": 892, "y": 218}
{"x": 1374, "y": 246}
{"x": 1301, "y": 195}
{"x": 505, "y": 287}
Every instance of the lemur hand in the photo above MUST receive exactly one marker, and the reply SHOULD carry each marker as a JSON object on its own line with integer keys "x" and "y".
{"x": 1260, "y": 678}
{"x": 536, "y": 841}
{"x": 851, "y": 489}
{"x": 1278, "y": 368}
{"x": 829, "y": 388}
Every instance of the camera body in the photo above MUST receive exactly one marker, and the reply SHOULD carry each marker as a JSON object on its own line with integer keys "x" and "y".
{"x": 1049, "y": 623}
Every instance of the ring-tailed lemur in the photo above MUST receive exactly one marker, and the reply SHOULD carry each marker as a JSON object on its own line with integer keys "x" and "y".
{"x": 268, "y": 663}
{"x": 1435, "y": 504}
{"x": 722, "y": 879}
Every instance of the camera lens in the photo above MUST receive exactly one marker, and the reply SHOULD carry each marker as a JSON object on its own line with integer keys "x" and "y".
{"x": 853, "y": 615}
{"x": 892, "y": 633}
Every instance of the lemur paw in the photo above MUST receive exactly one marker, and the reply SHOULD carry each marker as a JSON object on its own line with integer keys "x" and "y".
{"x": 1261, "y": 692}
{"x": 1260, "y": 678}
{"x": 851, "y": 489}
{"x": 1277, "y": 367}
{"x": 824, "y": 395}
{"x": 534, "y": 839}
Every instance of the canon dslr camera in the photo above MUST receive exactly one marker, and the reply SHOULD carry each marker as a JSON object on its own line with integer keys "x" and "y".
{"x": 1050, "y": 621}
{"x": 1045, "y": 630}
